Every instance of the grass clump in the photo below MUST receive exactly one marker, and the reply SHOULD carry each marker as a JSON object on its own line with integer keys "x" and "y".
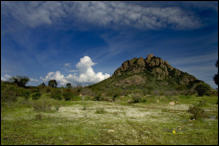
{"x": 100, "y": 111}
{"x": 196, "y": 111}
{"x": 56, "y": 94}
{"x": 137, "y": 100}
{"x": 45, "y": 106}
{"x": 38, "y": 116}
{"x": 36, "y": 95}
{"x": 98, "y": 98}
{"x": 67, "y": 94}
{"x": 9, "y": 94}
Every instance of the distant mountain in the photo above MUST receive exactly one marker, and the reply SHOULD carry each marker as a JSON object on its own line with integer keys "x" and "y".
{"x": 151, "y": 75}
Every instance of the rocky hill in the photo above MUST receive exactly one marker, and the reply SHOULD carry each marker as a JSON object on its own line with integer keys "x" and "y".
{"x": 151, "y": 75}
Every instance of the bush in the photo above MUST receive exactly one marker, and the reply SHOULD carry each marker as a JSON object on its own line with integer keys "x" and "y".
{"x": 21, "y": 81}
{"x": 138, "y": 100}
{"x": 36, "y": 95}
{"x": 67, "y": 94}
{"x": 201, "y": 103}
{"x": 68, "y": 85}
{"x": 48, "y": 90}
{"x": 56, "y": 94}
{"x": 114, "y": 97}
{"x": 98, "y": 97}
{"x": 22, "y": 92}
{"x": 203, "y": 89}
{"x": 45, "y": 106}
{"x": 9, "y": 94}
{"x": 196, "y": 111}
{"x": 52, "y": 83}
{"x": 100, "y": 111}
{"x": 38, "y": 117}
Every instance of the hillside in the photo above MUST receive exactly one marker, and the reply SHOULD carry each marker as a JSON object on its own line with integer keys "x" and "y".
{"x": 151, "y": 75}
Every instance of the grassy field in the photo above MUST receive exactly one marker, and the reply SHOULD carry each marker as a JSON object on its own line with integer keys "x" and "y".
{"x": 102, "y": 122}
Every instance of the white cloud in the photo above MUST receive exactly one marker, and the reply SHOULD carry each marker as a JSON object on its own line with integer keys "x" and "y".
{"x": 57, "y": 76}
{"x": 85, "y": 76}
{"x": 106, "y": 14}
{"x": 67, "y": 64}
{"x": 34, "y": 80}
{"x": 5, "y": 77}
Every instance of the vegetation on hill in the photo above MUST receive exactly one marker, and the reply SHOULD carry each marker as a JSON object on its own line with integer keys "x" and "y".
{"x": 150, "y": 76}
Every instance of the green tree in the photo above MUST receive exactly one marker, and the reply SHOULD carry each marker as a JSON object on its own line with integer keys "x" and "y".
{"x": 52, "y": 83}
{"x": 203, "y": 89}
{"x": 68, "y": 85}
{"x": 42, "y": 85}
{"x": 21, "y": 81}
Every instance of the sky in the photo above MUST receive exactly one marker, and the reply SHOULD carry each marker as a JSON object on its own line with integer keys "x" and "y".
{"x": 85, "y": 42}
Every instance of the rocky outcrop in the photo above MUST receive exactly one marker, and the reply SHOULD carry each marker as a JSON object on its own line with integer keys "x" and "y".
{"x": 157, "y": 67}
{"x": 150, "y": 75}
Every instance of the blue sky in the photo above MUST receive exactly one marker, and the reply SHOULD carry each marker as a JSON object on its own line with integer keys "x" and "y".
{"x": 85, "y": 42}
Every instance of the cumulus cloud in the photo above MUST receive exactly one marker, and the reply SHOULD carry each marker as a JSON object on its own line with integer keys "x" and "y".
{"x": 105, "y": 14}
{"x": 86, "y": 75}
{"x": 5, "y": 77}
{"x": 34, "y": 80}
{"x": 57, "y": 76}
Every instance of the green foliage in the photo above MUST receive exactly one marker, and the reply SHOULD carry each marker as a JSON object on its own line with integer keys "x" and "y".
{"x": 100, "y": 111}
{"x": 196, "y": 111}
{"x": 42, "y": 85}
{"x": 22, "y": 92}
{"x": 48, "y": 90}
{"x": 67, "y": 94}
{"x": 9, "y": 94}
{"x": 98, "y": 97}
{"x": 114, "y": 97}
{"x": 45, "y": 106}
{"x": 56, "y": 94}
{"x": 203, "y": 89}
{"x": 52, "y": 83}
{"x": 38, "y": 116}
{"x": 21, "y": 81}
{"x": 36, "y": 95}
{"x": 201, "y": 103}
{"x": 138, "y": 99}
{"x": 68, "y": 85}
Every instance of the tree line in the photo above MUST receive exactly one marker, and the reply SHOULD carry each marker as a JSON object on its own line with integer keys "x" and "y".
{"x": 22, "y": 81}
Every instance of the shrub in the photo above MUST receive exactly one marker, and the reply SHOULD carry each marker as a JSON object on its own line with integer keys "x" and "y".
{"x": 23, "y": 92}
{"x": 100, "y": 111}
{"x": 48, "y": 90}
{"x": 201, "y": 103}
{"x": 19, "y": 80}
{"x": 52, "y": 83}
{"x": 203, "y": 89}
{"x": 98, "y": 97}
{"x": 38, "y": 117}
{"x": 36, "y": 95}
{"x": 138, "y": 100}
{"x": 114, "y": 97}
{"x": 8, "y": 94}
{"x": 68, "y": 85}
{"x": 67, "y": 94}
{"x": 56, "y": 94}
{"x": 45, "y": 106}
{"x": 196, "y": 111}
{"x": 42, "y": 85}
